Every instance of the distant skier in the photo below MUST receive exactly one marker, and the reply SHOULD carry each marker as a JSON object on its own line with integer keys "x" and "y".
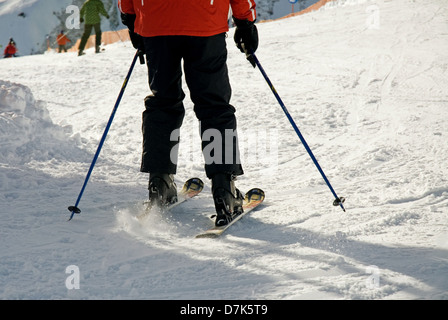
{"x": 10, "y": 50}
{"x": 62, "y": 40}
{"x": 91, "y": 10}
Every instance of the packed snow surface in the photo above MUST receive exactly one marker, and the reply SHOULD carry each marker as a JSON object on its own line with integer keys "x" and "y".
{"x": 365, "y": 81}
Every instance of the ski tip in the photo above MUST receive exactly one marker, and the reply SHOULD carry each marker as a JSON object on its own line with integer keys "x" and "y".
{"x": 142, "y": 216}
{"x": 207, "y": 235}
{"x": 254, "y": 194}
{"x": 193, "y": 184}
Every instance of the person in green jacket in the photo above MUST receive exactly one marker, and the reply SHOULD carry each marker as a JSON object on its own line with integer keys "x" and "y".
{"x": 90, "y": 14}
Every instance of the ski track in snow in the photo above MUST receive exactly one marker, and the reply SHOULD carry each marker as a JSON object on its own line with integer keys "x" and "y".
{"x": 371, "y": 104}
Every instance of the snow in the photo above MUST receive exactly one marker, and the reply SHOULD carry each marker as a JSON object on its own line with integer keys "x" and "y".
{"x": 29, "y": 31}
{"x": 369, "y": 97}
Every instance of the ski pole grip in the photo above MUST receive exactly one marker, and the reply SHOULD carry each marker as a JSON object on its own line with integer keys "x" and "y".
{"x": 249, "y": 56}
{"x": 141, "y": 56}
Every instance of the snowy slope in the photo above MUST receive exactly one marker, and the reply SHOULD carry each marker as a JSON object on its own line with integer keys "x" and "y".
{"x": 29, "y": 30}
{"x": 371, "y": 100}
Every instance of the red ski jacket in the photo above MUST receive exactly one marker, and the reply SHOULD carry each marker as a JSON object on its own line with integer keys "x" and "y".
{"x": 185, "y": 17}
{"x": 62, "y": 39}
{"x": 10, "y": 50}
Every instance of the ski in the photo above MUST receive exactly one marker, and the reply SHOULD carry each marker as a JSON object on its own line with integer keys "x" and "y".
{"x": 252, "y": 199}
{"x": 192, "y": 187}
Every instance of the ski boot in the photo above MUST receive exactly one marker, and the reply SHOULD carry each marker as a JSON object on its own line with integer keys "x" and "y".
{"x": 228, "y": 199}
{"x": 162, "y": 189}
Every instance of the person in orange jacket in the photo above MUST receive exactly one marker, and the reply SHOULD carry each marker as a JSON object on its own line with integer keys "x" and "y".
{"x": 62, "y": 41}
{"x": 10, "y": 50}
{"x": 194, "y": 32}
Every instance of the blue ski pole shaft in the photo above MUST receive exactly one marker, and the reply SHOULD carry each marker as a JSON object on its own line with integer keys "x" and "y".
{"x": 74, "y": 209}
{"x": 337, "y": 201}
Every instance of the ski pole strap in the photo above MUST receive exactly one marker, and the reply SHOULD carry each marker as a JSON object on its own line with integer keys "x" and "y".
{"x": 338, "y": 200}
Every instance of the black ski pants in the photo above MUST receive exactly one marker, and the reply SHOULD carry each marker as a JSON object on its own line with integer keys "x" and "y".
{"x": 87, "y": 31}
{"x": 206, "y": 75}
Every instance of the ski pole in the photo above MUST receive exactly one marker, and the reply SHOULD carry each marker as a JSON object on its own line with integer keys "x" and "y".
{"x": 74, "y": 209}
{"x": 254, "y": 61}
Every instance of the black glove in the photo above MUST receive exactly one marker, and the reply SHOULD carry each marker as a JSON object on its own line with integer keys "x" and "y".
{"x": 246, "y": 35}
{"x": 128, "y": 20}
{"x": 136, "y": 39}
{"x": 246, "y": 38}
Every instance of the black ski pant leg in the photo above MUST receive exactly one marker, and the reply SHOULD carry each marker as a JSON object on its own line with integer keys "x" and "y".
{"x": 206, "y": 74}
{"x": 164, "y": 110}
{"x": 97, "y": 28}
{"x": 85, "y": 36}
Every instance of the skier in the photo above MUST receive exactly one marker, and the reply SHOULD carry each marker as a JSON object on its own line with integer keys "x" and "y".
{"x": 195, "y": 32}
{"x": 10, "y": 50}
{"x": 91, "y": 10}
{"x": 62, "y": 40}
